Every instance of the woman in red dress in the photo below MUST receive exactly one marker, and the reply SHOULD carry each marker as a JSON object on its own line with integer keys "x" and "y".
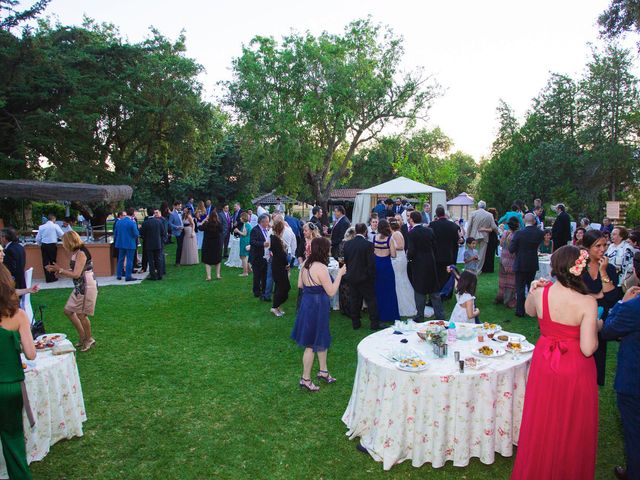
{"x": 559, "y": 432}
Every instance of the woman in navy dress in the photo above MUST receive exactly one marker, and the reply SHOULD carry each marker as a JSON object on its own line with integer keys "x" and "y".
{"x": 311, "y": 330}
{"x": 386, "y": 295}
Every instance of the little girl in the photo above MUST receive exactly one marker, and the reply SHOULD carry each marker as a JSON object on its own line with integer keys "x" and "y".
{"x": 465, "y": 310}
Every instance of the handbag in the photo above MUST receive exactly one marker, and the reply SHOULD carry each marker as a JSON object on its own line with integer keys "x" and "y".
{"x": 37, "y": 328}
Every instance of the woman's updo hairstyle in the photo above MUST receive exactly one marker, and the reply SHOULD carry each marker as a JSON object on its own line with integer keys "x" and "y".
{"x": 562, "y": 261}
{"x": 591, "y": 237}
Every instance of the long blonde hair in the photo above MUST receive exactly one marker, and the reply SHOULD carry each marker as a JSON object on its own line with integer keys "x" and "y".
{"x": 71, "y": 241}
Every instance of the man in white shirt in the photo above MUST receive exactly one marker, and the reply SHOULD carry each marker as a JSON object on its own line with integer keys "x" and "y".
{"x": 253, "y": 218}
{"x": 372, "y": 229}
{"x": 47, "y": 238}
{"x": 66, "y": 225}
{"x": 261, "y": 210}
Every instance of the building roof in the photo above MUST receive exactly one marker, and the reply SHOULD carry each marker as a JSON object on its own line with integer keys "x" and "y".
{"x": 272, "y": 199}
{"x": 344, "y": 194}
{"x": 51, "y": 191}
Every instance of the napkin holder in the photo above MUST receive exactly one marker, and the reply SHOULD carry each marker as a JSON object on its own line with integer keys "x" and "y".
{"x": 63, "y": 348}
{"x": 440, "y": 350}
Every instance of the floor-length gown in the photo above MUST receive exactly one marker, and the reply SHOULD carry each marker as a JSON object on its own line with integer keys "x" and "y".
{"x": 404, "y": 290}
{"x": 385, "y": 285}
{"x": 189, "y": 246}
{"x": 559, "y": 432}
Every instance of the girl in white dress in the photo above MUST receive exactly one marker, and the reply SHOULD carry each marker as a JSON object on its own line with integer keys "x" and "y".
{"x": 404, "y": 290}
{"x": 465, "y": 310}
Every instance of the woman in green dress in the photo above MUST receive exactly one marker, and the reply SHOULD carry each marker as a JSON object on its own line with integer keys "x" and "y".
{"x": 15, "y": 332}
{"x": 547, "y": 244}
{"x": 243, "y": 229}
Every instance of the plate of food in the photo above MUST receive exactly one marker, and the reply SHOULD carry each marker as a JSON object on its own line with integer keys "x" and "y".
{"x": 486, "y": 351}
{"x": 474, "y": 363}
{"x": 491, "y": 327}
{"x": 48, "y": 340}
{"x": 412, "y": 364}
{"x": 436, "y": 323}
{"x": 505, "y": 337}
{"x": 519, "y": 346}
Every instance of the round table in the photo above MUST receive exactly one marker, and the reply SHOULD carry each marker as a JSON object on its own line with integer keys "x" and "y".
{"x": 439, "y": 414}
{"x": 544, "y": 268}
{"x": 234, "y": 253}
{"x": 55, "y": 395}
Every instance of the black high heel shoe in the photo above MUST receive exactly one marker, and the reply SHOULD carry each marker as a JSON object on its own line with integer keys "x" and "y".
{"x": 308, "y": 384}
{"x": 324, "y": 375}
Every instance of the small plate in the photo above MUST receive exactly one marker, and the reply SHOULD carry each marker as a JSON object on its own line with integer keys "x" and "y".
{"x": 54, "y": 337}
{"x": 497, "y": 352}
{"x": 479, "y": 364}
{"x": 526, "y": 347}
{"x": 408, "y": 368}
{"x": 519, "y": 337}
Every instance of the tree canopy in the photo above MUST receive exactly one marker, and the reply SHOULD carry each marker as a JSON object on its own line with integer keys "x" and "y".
{"x": 307, "y": 104}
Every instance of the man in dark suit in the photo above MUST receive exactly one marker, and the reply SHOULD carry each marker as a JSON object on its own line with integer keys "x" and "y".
{"x": 423, "y": 276}
{"x": 153, "y": 234}
{"x": 126, "y": 241}
{"x": 561, "y": 229}
{"x": 447, "y": 240}
{"x": 339, "y": 229}
{"x": 14, "y": 256}
{"x": 225, "y": 221}
{"x": 258, "y": 241}
{"x": 361, "y": 275}
{"x": 524, "y": 245}
{"x": 398, "y": 208}
{"x": 623, "y": 322}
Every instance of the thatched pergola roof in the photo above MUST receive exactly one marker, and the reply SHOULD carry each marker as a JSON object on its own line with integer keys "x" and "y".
{"x": 272, "y": 199}
{"x": 51, "y": 191}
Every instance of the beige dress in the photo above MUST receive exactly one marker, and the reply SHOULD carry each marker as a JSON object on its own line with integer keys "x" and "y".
{"x": 189, "y": 246}
{"x": 85, "y": 289}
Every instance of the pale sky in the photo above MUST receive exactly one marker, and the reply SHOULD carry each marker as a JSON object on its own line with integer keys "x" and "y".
{"x": 478, "y": 51}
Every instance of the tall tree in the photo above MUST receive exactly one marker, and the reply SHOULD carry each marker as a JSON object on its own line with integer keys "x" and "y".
{"x": 307, "y": 105}
{"x": 621, "y": 16}
{"x": 11, "y": 17}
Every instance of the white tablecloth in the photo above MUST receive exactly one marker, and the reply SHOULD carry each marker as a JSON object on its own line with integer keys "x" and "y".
{"x": 234, "y": 253}
{"x": 439, "y": 414}
{"x": 56, "y": 400}
{"x": 544, "y": 269}
{"x": 334, "y": 268}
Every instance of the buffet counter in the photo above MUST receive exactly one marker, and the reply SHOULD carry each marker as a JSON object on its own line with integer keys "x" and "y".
{"x": 104, "y": 264}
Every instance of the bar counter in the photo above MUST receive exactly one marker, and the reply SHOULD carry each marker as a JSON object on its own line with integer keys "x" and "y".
{"x": 104, "y": 265}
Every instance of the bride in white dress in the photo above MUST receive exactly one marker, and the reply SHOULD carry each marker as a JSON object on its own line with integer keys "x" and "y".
{"x": 404, "y": 290}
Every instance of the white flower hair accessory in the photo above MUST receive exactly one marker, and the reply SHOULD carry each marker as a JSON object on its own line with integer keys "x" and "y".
{"x": 581, "y": 263}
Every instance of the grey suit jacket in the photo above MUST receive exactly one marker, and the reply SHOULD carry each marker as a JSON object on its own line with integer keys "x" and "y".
{"x": 481, "y": 219}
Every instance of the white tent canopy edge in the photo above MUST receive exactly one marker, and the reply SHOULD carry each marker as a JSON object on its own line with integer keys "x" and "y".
{"x": 399, "y": 186}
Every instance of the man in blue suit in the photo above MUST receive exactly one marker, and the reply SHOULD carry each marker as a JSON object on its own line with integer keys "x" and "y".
{"x": 623, "y": 322}
{"x": 177, "y": 228}
{"x": 126, "y": 235}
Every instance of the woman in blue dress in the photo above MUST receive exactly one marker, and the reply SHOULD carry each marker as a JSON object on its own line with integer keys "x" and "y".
{"x": 311, "y": 330}
{"x": 385, "y": 286}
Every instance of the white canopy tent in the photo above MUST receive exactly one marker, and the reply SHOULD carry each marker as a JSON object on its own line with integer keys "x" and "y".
{"x": 366, "y": 199}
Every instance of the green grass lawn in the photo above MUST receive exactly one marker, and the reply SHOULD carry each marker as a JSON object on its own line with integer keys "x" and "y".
{"x": 193, "y": 380}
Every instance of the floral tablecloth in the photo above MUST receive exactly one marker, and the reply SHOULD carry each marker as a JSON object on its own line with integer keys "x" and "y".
{"x": 334, "y": 268}
{"x": 437, "y": 415}
{"x": 55, "y": 394}
{"x": 544, "y": 268}
{"x": 234, "y": 253}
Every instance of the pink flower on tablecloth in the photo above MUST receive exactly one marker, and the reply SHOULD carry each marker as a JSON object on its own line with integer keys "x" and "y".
{"x": 448, "y": 452}
{"x": 488, "y": 432}
{"x": 445, "y": 379}
{"x": 484, "y": 376}
{"x": 378, "y": 401}
{"x": 455, "y": 440}
{"x": 376, "y": 421}
{"x": 472, "y": 408}
{"x": 425, "y": 439}
{"x": 436, "y": 423}
{"x": 410, "y": 419}
{"x": 388, "y": 442}
{"x": 61, "y": 426}
{"x": 515, "y": 386}
{"x": 501, "y": 432}
{"x": 393, "y": 386}
{"x": 390, "y": 422}
{"x": 73, "y": 389}
{"x": 416, "y": 390}
{"x": 507, "y": 395}
{"x": 446, "y": 408}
